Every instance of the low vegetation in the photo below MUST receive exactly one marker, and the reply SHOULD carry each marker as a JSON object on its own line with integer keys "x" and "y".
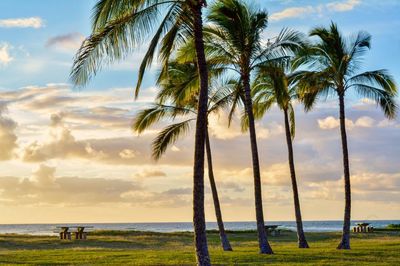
{"x": 151, "y": 248}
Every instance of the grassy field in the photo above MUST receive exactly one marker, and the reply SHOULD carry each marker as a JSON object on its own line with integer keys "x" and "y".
{"x": 148, "y": 248}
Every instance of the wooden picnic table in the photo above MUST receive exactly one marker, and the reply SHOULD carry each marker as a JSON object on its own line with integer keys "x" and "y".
{"x": 64, "y": 233}
{"x": 363, "y": 228}
{"x": 79, "y": 231}
{"x": 272, "y": 229}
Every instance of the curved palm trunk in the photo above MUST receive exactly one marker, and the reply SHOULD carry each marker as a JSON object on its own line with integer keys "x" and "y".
{"x": 264, "y": 246}
{"x": 299, "y": 223}
{"x": 199, "y": 224}
{"x": 222, "y": 234}
{"x": 345, "y": 243}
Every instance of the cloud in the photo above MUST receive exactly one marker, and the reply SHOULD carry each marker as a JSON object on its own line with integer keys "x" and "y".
{"x": 81, "y": 109}
{"x": 43, "y": 187}
{"x": 303, "y": 11}
{"x": 60, "y": 144}
{"x": 8, "y": 138}
{"x": 292, "y": 12}
{"x": 150, "y": 173}
{"x": 5, "y": 57}
{"x": 388, "y": 123}
{"x": 366, "y": 186}
{"x": 89, "y": 136}
{"x": 343, "y": 6}
{"x": 44, "y": 175}
{"x": 127, "y": 154}
{"x": 331, "y": 122}
{"x": 32, "y": 22}
{"x": 218, "y": 126}
{"x": 175, "y": 148}
{"x": 230, "y": 187}
{"x": 328, "y": 123}
{"x": 365, "y": 121}
{"x": 66, "y": 43}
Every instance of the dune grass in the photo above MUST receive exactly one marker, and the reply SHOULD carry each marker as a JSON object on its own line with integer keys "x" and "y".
{"x": 149, "y": 248}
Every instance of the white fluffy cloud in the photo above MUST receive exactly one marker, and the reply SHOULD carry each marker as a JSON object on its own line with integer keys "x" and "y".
{"x": 343, "y": 6}
{"x": 5, "y": 56}
{"x": 303, "y": 11}
{"x": 31, "y": 22}
{"x": 365, "y": 121}
{"x": 331, "y": 122}
{"x": 60, "y": 144}
{"x": 292, "y": 12}
{"x": 328, "y": 123}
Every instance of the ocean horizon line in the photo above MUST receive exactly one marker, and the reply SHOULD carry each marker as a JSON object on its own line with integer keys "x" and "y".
{"x": 211, "y": 221}
{"x": 170, "y": 227}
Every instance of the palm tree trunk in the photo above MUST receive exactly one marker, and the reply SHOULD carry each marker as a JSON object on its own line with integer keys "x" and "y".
{"x": 222, "y": 234}
{"x": 300, "y": 232}
{"x": 199, "y": 224}
{"x": 264, "y": 246}
{"x": 345, "y": 243}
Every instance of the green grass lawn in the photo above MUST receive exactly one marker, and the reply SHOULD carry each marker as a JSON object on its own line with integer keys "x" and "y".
{"x": 147, "y": 248}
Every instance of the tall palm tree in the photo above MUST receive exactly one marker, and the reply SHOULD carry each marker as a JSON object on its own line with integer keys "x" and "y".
{"x": 335, "y": 62}
{"x": 275, "y": 85}
{"x": 235, "y": 39}
{"x": 181, "y": 79}
{"x": 120, "y": 26}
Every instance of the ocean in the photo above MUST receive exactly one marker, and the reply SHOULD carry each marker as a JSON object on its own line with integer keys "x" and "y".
{"x": 309, "y": 226}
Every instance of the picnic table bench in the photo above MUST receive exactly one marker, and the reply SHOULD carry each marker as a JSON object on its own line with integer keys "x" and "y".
{"x": 273, "y": 230}
{"x": 363, "y": 228}
{"x": 78, "y": 231}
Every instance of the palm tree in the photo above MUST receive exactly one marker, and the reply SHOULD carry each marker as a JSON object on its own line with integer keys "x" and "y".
{"x": 274, "y": 85}
{"x": 235, "y": 39}
{"x": 335, "y": 62}
{"x": 120, "y": 26}
{"x": 180, "y": 79}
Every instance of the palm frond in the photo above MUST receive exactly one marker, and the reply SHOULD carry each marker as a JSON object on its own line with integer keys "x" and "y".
{"x": 285, "y": 45}
{"x": 380, "y": 78}
{"x": 107, "y": 10}
{"x": 237, "y": 100}
{"x": 382, "y": 98}
{"x": 169, "y": 136}
{"x": 357, "y": 46}
{"x": 112, "y": 42}
{"x": 147, "y": 60}
{"x": 148, "y": 117}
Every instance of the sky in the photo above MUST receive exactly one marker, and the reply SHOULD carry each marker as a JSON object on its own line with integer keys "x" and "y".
{"x": 68, "y": 154}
